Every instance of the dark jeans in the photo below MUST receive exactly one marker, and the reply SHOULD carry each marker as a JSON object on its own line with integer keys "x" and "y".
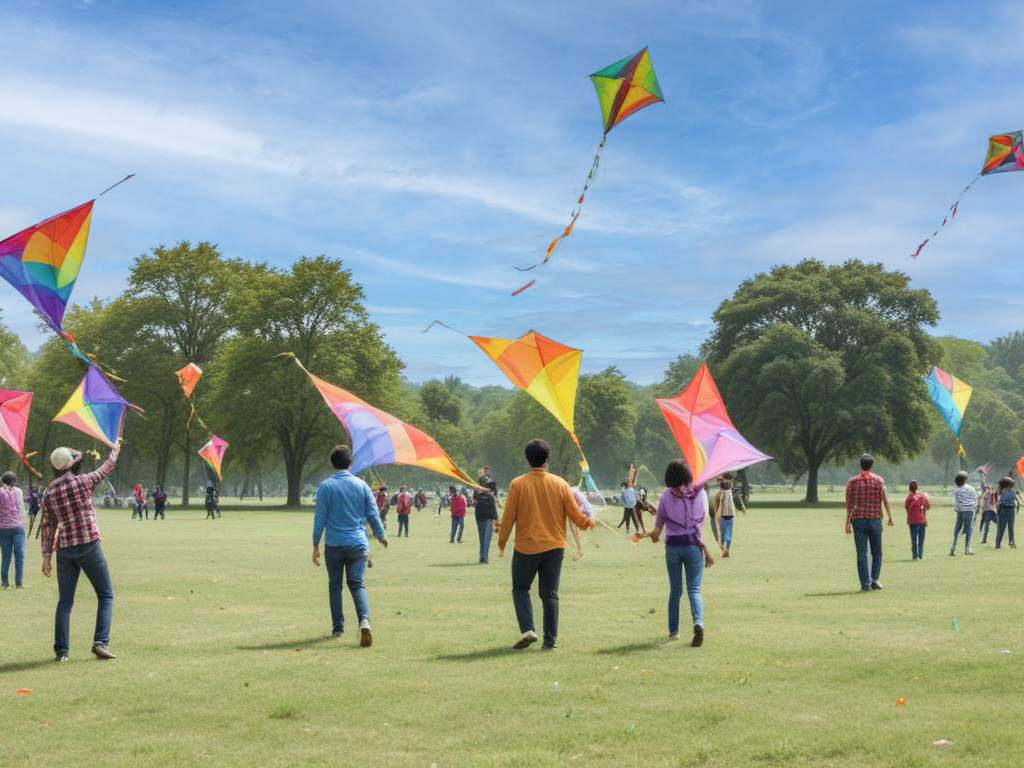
{"x": 1004, "y": 523}
{"x": 917, "y": 540}
{"x": 403, "y": 522}
{"x": 12, "y": 542}
{"x": 628, "y": 516}
{"x": 548, "y": 566}
{"x": 868, "y": 532}
{"x": 348, "y": 564}
{"x": 458, "y": 524}
{"x": 71, "y": 561}
{"x": 486, "y": 530}
{"x": 158, "y": 512}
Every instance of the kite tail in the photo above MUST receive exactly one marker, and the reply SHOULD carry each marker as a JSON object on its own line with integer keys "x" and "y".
{"x": 438, "y": 322}
{"x": 73, "y": 347}
{"x": 949, "y": 217}
{"x": 122, "y": 181}
{"x": 296, "y": 360}
{"x": 517, "y": 291}
{"x": 32, "y": 470}
{"x": 572, "y": 221}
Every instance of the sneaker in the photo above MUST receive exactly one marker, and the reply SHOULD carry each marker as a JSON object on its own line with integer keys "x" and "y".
{"x": 968, "y": 551}
{"x": 62, "y": 656}
{"x": 102, "y": 652}
{"x": 673, "y": 637}
{"x": 952, "y": 553}
{"x": 876, "y": 585}
{"x": 529, "y": 638}
{"x": 698, "y": 637}
{"x": 365, "y": 638}
{"x": 338, "y": 633}
{"x": 550, "y": 647}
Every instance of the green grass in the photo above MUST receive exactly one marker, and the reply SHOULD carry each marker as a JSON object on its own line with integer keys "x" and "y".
{"x": 222, "y": 630}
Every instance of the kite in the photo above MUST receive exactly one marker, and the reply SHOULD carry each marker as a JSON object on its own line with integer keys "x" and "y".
{"x": 950, "y": 396}
{"x": 213, "y": 453}
{"x": 701, "y": 426}
{"x": 96, "y": 408}
{"x": 380, "y": 438}
{"x": 14, "y": 410}
{"x": 1020, "y": 466}
{"x": 187, "y": 378}
{"x": 623, "y": 88}
{"x": 1005, "y": 153}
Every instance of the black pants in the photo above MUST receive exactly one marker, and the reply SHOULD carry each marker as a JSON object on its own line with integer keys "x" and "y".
{"x": 1004, "y": 524}
{"x": 628, "y": 514}
{"x": 403, "y": 522}
{"x": 547, "y": 565}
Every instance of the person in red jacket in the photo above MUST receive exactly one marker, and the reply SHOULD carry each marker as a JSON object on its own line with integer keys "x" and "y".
{"x": 403, "y": 506}
{"x": 458, "y": 507}
{"x": 916, "y": 505}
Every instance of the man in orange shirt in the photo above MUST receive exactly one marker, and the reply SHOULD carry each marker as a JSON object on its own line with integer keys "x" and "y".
{"x": 538, "y": 504}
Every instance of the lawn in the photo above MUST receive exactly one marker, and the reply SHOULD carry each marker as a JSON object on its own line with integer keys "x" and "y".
{"x": 222, "y": 627}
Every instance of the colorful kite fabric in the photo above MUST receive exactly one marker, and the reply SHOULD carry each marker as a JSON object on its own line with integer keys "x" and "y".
{"x": 43, "y": 261}
{"x": 213, "y": 454}
{"x": 14, "y": 410}
{"x": 1005, "y": 153}
{"x": 187, "y": 377}
{"x": 546, "y": 370}
{"x": 96, "y": 408}
{"x": 380, "y": 438}
{"x": 701, "y": 426}
{"x": 1020, "y": 466}
{"x": 623, "y": 88}
{"x": 950, "y": 396}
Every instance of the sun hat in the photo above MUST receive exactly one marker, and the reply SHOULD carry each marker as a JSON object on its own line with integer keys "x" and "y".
{"x": 64, "y": 458}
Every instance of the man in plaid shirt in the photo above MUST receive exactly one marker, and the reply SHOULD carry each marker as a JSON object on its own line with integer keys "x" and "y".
{"x": 69, "y": 526}
{"x": 865, "y": 497}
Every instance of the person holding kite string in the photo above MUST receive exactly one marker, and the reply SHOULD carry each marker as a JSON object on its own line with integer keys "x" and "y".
{"x": 537, "y": 506}
{"x": 681, "y": 512}
{"x": 12, "y": 530}
{"x": 68, "y": 525}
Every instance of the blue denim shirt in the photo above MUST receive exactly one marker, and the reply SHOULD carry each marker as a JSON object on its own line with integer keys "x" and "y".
{"x": 344, "y": 504}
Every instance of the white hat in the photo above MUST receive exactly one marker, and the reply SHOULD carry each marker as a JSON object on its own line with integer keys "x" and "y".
{"x": 64, "y": 458}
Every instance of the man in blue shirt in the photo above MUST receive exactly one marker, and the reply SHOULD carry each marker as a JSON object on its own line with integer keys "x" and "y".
{"x": 344, "y": 505}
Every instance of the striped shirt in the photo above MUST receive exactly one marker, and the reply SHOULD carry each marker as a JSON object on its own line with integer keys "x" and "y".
{"x": 67, "y": 505}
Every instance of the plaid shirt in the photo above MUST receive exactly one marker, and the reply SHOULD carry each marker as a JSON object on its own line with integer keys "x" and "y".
{"x": 864, "y": 494}
{"x": 67, "y": 502}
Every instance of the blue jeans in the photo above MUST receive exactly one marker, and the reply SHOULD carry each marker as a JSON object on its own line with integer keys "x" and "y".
{"x": 12, "y": 541}
{"x": 71, "y": 561}
{"x": 1004, "y": 522}
{"x": 726, "y": 527}
{"x": 457, "y": 526}
{"x": 868, "y": 532}
{"x": 917, "y": 540}
{"x": 348, "y": 563}
{"x": 403, "y": 522}
{"x": 486, "y": 531}
{"x": 691, "y": 559}
{"x": 964, "y": 522}
{"x": 548, "y": 566}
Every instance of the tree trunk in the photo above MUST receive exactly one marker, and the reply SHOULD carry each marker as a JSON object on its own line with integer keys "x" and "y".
{"x": 187, "y": 459}
{"x": 812, "y": 483}
{"x": 294, "y": 475}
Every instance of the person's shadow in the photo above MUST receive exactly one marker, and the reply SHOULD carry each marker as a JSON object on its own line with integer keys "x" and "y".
{"x": 484, "y": 653}
{"x": 21, "y": 666}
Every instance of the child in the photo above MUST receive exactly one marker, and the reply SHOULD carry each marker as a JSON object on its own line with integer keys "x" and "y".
{"x": 212, "y": 508}
{"x": 989, "y": 502}
{"x": 458, "y": 511}
{"x": 916, "y": 505}
{"x": 1008, "y": 499}
{"x": 724, "y": 512}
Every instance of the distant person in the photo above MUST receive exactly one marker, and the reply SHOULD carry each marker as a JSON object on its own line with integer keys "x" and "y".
{"x": 917, "y": 505}
{"x": 628, "y": 499}
{"x": 139, "y": 501}
{"x": 458, "y": 508}
{"x": 344, "y": 506}
{"x": 681, "y": 512}
{"x": 865, "y": 497}
{"x": 212, "y": 503}
{"x": 159, "y": 503}
{"x": 965, "y": 504}
{"x": 12, "y": 531}
{"x": 403, "y": 506}
{"x": 420, "y": 500}
{"x": 485, "y": 503}
{"x": 383, "y": 503}
{"x": 989, "y": 504}
{"x": 33, "y": 507}
{"x": 537, "y": 506}
{"x": 724, "y": 514}
{"x": 643, "y": 505}
{"x": 1008, "y": 500}
{"x": 68, "y": 525}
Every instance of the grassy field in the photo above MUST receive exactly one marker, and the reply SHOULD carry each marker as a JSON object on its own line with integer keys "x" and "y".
{"x": 224, "y": 659}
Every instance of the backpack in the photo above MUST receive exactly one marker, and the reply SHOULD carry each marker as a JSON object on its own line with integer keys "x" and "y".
{"x": 486, "y": 509}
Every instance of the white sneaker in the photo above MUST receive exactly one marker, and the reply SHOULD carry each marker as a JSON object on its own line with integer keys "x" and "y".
{"x": 529, "y": 638}
{"x": 365, "y": 637}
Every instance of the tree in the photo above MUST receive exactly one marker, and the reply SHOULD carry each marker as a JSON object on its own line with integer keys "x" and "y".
{"x": 820, "y": 363}
{"x": 678, "y": 374}
{"x": 440, "y": 401}
{"x": 1008, "y": 352}
{"x": 606, "y": 422}
{"x": 13, "y": 357}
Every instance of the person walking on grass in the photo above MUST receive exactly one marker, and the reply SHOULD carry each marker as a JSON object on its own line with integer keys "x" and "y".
{"x": 212, "y": 503}
{"x": 344, "y": 505}
{"x": 485, "y": 503}
{"x": 965, "y": 504}
{"x": 159, "y": 503}
{"x": 12, "y": 531}
{"x": 865, "y": 497}
{"x": 681, "y": 513}
{"x": 403, "y": 506}
{"x": 33, "y": 506}
{"x": 458, "y": 508}
{"x": 537, "y": 506}
{"x": 989, "y": 503}
{"x": 724, "y": 514}
{"x": 1008, "y": 500}
{"x": 628, "y": 500}
{"x": 68, "y": 525}
{"x": 916, "y": 504}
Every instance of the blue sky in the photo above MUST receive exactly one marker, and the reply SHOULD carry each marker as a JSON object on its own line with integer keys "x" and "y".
{"x": 432, "y": 146}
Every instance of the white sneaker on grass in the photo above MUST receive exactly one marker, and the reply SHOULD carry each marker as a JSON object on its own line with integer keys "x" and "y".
{"x": 529, "y": 638}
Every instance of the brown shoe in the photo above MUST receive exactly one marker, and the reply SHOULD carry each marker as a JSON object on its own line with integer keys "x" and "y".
{"x": 528, "y": 639}
{"x": 365, "y": 638}
{"x": 698, "y": 637}
{"x": 102, "y": 652}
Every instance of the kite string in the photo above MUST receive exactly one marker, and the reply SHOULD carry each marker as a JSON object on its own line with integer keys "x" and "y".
{"x": 122, "y": 181}
{"x": 450, "y": 328}
{"x": 947, "y": 218}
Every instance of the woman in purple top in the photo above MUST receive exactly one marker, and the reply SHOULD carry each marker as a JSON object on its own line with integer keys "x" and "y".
{"x": 12, "y": 530}
{"x": 681, "y": 513}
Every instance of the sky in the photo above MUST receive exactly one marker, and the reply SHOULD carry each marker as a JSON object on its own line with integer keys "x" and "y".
{"x": 435, "y": 146}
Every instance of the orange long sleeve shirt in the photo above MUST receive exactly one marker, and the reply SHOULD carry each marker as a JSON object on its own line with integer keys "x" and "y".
{"x": 538, "y": 504}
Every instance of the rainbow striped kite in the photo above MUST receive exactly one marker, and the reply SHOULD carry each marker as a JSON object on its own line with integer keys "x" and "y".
{"x": 213, "y": 453}
{"x": 96, "y": 408}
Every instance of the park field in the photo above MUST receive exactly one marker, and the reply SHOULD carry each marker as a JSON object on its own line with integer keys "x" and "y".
{"x": 222, "y": 628}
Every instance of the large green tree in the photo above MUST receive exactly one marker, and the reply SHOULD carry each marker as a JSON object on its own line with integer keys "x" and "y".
{"x": 819, "y": 363}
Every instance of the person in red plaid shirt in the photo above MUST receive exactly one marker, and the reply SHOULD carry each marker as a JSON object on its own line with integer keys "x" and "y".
{"x": 865, "y": 497}
{"x": 69, "y": 526}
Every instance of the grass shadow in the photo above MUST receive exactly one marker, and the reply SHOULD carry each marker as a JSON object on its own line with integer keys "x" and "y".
{"x": 21, "y": 666}
{"x": 484, "y": 653}
{"x": 833, "y": 594}
{"x": 628, "y": 648}
{"x": 287, "y": 645}
{"x": 451, "y": 565}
